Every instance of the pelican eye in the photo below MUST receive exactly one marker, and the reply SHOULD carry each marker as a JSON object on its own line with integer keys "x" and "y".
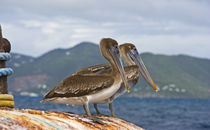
{"x": 116, "y": 49}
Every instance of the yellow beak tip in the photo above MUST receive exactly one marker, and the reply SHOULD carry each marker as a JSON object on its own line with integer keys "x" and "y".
{"x": 157, "y": 89}
{"x": 126, "y": 85}
{"x": 128, "y": 89}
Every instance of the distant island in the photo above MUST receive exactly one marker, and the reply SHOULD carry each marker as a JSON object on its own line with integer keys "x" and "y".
{"x": 178, "y": 76}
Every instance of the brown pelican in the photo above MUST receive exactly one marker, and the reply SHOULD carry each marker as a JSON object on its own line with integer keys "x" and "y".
{"x": 85, "y": 89}
{"x": 134, "y": 67}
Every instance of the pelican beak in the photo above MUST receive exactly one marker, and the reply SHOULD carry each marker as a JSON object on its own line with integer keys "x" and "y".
{"x": 115, "y": 53}
{"x": 133, "y": 54}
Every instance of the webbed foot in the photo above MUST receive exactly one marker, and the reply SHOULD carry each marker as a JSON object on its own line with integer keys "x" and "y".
{"x": 97, "y": 120}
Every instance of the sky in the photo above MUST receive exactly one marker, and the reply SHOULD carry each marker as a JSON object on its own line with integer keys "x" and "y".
{"x": 159, "y": 26}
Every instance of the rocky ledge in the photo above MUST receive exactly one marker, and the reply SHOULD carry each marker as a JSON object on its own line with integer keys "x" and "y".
{"x": 13, "y": 118}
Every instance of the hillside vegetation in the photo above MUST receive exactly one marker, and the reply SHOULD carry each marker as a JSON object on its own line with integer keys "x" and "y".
{"x": 177, "y": 76}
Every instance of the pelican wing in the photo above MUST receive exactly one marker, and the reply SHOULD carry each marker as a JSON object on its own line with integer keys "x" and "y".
{"x": 132, "y": 72}
{"x": 80, "y": 85}
{"x": 96, "y": 69}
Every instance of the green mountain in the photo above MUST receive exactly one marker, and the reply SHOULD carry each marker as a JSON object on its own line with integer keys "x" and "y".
{"x": 178, "y": 76}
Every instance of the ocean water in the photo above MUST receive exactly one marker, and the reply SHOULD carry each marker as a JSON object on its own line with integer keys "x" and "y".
{"x": 149, "y": 113}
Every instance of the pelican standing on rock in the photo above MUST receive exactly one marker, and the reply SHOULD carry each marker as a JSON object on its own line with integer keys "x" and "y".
{"x": 134, "y": 67}
{"x": 94, "y": 88}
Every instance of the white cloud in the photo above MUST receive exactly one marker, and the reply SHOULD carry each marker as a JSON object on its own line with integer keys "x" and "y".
{"x": 162, "y": 26}
{"x": 31, "y": 23}
{"x": 171, "y": 44}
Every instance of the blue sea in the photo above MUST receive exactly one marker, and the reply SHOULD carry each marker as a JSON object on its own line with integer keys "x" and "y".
{"x": 149, "y": 113}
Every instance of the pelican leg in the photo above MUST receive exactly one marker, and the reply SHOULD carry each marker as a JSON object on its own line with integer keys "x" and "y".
{"x": 110, "y": 100}
{"x": 86, "y": 108}
{"x": 96, "y": 108}
{"x": 111, "y": 109}
{"x": 95, "y": 119}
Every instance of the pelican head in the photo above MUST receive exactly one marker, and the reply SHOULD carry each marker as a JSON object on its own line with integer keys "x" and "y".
{"x": 109, "y": 49}
{"x": 132, "y": 57}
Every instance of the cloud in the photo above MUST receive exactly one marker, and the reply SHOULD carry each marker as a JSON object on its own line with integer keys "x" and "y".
{"x": 162, "y": 26}
{"x": 171, "y": 44}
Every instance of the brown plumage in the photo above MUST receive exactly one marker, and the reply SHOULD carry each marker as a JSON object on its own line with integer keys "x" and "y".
{"x": 96, "y": 69}
{"x": 76, "y": 86}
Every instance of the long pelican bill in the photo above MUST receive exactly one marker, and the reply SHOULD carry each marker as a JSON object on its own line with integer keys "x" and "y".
{"x": 115, "y": 53}
{"x": 137, "y": 59}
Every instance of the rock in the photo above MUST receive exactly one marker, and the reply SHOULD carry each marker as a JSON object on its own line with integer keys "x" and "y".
{"x": 13, "y": 118}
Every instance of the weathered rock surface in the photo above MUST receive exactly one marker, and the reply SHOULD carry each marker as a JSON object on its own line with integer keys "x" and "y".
{"x": 13, "y": 118}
